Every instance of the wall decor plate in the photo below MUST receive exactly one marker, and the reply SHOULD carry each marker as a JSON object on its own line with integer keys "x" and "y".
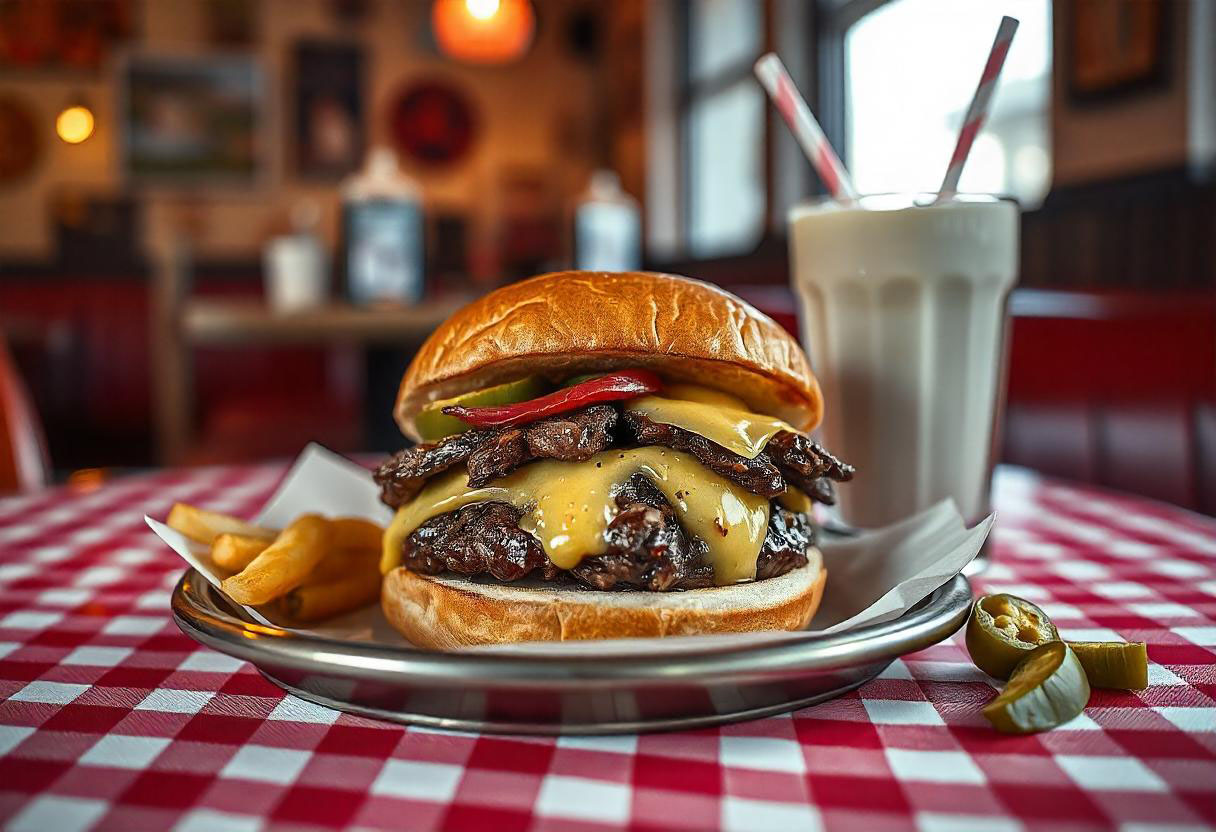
{"x": 432, "y": 123}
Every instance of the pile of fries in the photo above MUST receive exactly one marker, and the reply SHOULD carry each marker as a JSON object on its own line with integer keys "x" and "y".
{"x": 313, "y": 569}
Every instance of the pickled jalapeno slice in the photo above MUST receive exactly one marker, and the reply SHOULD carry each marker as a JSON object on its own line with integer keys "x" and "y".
{"x": 1113, "y": 664}
{"x": 1003, "y": 630}
{"x": 1048, "y": 688}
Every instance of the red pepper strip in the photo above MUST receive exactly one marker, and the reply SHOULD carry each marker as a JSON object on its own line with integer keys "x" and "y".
{"x": 625, "y": 384}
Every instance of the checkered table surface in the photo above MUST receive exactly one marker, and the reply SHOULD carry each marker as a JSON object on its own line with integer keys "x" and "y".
{"x": 112, "y": 719}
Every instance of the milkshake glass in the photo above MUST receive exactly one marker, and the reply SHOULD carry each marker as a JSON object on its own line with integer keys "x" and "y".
{"x": 903, "y": 312}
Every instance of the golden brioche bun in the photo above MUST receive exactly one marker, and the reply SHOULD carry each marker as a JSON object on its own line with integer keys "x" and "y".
{"x": 561, "y": 324}
{"x": 448, "y": 612}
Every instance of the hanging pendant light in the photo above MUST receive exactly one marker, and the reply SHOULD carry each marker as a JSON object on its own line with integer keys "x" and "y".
{"x": 75, "y": 122}
{"x": 483, "y": 31}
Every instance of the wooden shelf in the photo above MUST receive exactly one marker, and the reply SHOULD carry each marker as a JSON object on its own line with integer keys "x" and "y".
{"x": 207, "y": 321}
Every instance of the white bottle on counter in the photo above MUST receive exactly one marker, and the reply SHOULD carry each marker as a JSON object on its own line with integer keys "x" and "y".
{"x": 383, "y": 233}
{"x": 296, "y": 266}
{"x": 607, "y": 227}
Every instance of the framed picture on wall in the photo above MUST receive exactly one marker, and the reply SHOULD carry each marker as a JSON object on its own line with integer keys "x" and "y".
{"x": 330, "y": 135}
{"x": 193, "y": 121}
{"x": 1116, "y": 46}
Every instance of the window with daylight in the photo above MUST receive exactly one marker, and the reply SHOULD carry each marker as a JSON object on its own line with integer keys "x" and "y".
{"x": 723, "y": 123}
{"x": 911, "y": 68}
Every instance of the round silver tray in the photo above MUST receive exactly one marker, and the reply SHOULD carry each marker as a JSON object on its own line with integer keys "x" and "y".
{"x": 571, "y": 695}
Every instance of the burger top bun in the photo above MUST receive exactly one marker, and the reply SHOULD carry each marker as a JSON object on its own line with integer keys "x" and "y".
{"x": 565, "y": 323}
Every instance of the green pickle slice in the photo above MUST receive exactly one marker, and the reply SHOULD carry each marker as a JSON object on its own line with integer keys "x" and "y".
{"x": 1003, "y": 630}
{"x": 433, "y": 423}
{"x": 1112, "y": 664}
{"x": 1048, "y": 688}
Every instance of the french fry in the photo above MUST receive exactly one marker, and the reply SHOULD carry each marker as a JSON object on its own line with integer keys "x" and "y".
{"x": 356, "y": 533}
{"x": 284, "y": 564}
{"x": 205, "y": 526}
{"x": 313, "y": 602}
{"x": 236, "y": 551}
{"x": 338, "y": 563}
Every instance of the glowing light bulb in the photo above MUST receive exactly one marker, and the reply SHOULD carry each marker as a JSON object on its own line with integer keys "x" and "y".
{"x": 482, "y": 9}
{"x": 483, "y": 31}
{"x": 75, "y": 124}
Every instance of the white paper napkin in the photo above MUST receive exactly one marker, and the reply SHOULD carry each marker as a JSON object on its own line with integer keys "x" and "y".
{"x": 876, "y": 576}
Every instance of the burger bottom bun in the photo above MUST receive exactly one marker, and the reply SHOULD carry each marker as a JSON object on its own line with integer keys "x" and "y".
{"x": 447, "y": 612}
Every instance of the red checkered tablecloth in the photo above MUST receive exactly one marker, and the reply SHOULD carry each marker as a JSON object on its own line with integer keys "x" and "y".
{"x": 112, "y": 719}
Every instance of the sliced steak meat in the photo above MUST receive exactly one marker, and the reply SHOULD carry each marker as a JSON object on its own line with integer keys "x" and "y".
{"x": 483, "y": 537}
{"x": 489, "y": 454}
{"x": 647, "y": 547}
{"x": 639, "y": 489}
{"x": 402, "y": 475}
{"x": 570, "y": 437}
{"x": 806, "y": 465}
{"x": 788, "y": 458}
{"x": 790, "y": 534}
{"x": 759, "y": 475}
{"x": 498, "y": 455}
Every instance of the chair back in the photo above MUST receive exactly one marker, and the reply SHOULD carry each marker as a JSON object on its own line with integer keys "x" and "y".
{"x": 23, "y": 459}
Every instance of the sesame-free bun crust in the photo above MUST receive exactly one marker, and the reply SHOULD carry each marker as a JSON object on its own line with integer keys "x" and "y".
{"x": 562, "y": 324}
{"x": 449, "y": 612}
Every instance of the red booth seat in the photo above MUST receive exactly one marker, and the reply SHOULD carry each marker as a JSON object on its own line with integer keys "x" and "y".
{"x": 1116, "y": 389}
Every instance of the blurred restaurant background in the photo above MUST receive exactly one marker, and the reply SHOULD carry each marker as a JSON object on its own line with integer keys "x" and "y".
{"x": 226, "y": 225}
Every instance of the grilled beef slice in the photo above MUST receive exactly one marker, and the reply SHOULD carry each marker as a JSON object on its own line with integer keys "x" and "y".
{"x": 489, "y": 454}
{"x": 758, "y": 475}
{"x": 788, "y": 458}
{"x": 806, "y": 465}
{"x": 479, "y": 538}
{"x": 647, "y": 547}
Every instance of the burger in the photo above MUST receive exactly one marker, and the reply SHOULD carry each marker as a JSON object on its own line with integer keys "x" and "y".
{"x": 605, "y": 455}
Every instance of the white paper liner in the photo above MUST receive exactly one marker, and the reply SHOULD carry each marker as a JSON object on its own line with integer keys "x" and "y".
{"x": 878, "y": 575}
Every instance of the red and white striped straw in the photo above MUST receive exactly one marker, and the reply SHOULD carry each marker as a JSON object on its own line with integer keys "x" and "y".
{"x": 980, "y": 105}
{"x": 780, "y": 87}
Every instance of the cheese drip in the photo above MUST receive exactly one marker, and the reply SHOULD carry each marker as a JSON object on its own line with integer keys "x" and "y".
{"x": 719, "y": 417}
{"x": 568, "y": 506}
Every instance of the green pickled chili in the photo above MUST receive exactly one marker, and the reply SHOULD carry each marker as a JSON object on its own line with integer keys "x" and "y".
{"x": 1113, "y": 664}
{"x": 1003, "y": 630}
{"x": 1047, "y": 688}
{"x": 579, "y": 379}
{"x": 434, "y": 424}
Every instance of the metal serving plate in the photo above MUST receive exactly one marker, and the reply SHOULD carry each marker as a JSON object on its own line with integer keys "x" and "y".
{"x": 570, "y": 695}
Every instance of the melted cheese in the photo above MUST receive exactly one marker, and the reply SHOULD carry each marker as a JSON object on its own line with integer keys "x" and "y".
{"x": 568, "y": 506}
{"x": 705, "y": 395}
{"x": 795, "y": 499}
{"x": 719, "y": 417}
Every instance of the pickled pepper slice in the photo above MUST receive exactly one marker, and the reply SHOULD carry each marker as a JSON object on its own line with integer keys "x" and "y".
{"x": 1113, "y": 664}
{"x": 1048, "y": 688}
{"x": 1002, "y": 631}
{"x": 433, "y": 424}
{"x": 613, "y": 387}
